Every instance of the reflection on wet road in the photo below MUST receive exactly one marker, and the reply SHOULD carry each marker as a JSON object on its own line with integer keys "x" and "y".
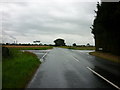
{"x": 63, "y": 68}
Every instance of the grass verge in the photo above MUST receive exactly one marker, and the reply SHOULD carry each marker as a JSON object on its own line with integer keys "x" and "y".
{"x": 18, "y": 69}
{"x": 78, "y": 48}
{"x": 106, "y": 56}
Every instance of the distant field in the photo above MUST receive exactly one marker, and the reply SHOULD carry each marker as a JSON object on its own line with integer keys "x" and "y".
{"x": 79, "y": 48}
{"x": 29, "y": 47}
{"x": 49, "y": 47}
{"x": 22, "y": 46}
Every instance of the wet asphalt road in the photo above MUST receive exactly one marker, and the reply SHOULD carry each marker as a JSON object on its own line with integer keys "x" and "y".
{"x": 64, "y": 68}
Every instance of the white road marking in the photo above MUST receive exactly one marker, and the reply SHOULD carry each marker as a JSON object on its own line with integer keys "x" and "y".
{"x": 44, "y": 55}
{"x": 76, "y": 59}
{"x": 103, "y": 78}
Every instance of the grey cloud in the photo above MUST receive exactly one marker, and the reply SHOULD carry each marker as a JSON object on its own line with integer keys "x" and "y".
{"x": 49, "y": 19}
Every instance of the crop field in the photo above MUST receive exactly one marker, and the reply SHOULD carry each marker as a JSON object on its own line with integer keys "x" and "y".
{"x": 78, "y": 48}
{"x": 28, "y": 47}
{"x": 15, "y": 46}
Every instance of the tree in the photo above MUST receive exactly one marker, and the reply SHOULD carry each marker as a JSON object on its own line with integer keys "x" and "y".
{"x": 106, "y": 27}
{"x": 74, "y": 44}
{"x": 59, "y": 42}
{"x": 5, "y": 52}
{"x": 88, "y": 44}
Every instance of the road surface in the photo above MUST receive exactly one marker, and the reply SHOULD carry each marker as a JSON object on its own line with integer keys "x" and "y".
{"x": 64, "y": 68}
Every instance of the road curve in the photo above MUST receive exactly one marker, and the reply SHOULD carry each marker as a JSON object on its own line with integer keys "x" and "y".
{"x": 64, "y": 68}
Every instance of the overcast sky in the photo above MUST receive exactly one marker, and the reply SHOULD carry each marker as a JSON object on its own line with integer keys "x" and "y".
{"x": 47, "y": 20}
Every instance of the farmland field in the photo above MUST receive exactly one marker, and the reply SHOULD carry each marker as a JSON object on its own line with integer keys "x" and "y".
{"x": 21, "y": 46}
{"x": 28, "y": 47}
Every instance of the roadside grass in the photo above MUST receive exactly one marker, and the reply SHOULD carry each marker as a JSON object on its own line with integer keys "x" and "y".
{"x": 0, "y": 74}
{"x": 107, "y": 56}
{"x": 30, "y": 47}
{"x": 78, "y": 48}
{"x": 18, "y": 69}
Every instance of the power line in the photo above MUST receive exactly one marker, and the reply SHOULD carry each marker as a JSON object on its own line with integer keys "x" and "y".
{"x": 12, "y": 37}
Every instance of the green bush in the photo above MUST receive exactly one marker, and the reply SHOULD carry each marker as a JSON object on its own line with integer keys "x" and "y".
{"x": 5, "y": 52}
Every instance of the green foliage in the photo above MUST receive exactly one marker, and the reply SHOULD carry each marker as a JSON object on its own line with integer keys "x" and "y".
{"x": 106, "y": 27}
{"x": 5, "y": 52}
{"x": 74, "y": 44}
{"x": 18, "y": 69}
{"x": 59, "y": 42}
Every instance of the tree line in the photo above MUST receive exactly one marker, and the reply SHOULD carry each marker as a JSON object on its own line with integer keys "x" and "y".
{"x": 58, "y": 42}
{"x": 106, "y": 27}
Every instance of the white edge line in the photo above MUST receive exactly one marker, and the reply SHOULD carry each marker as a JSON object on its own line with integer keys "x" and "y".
{"x": 44, "y": 55}
{"x": 103, "y": 78}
